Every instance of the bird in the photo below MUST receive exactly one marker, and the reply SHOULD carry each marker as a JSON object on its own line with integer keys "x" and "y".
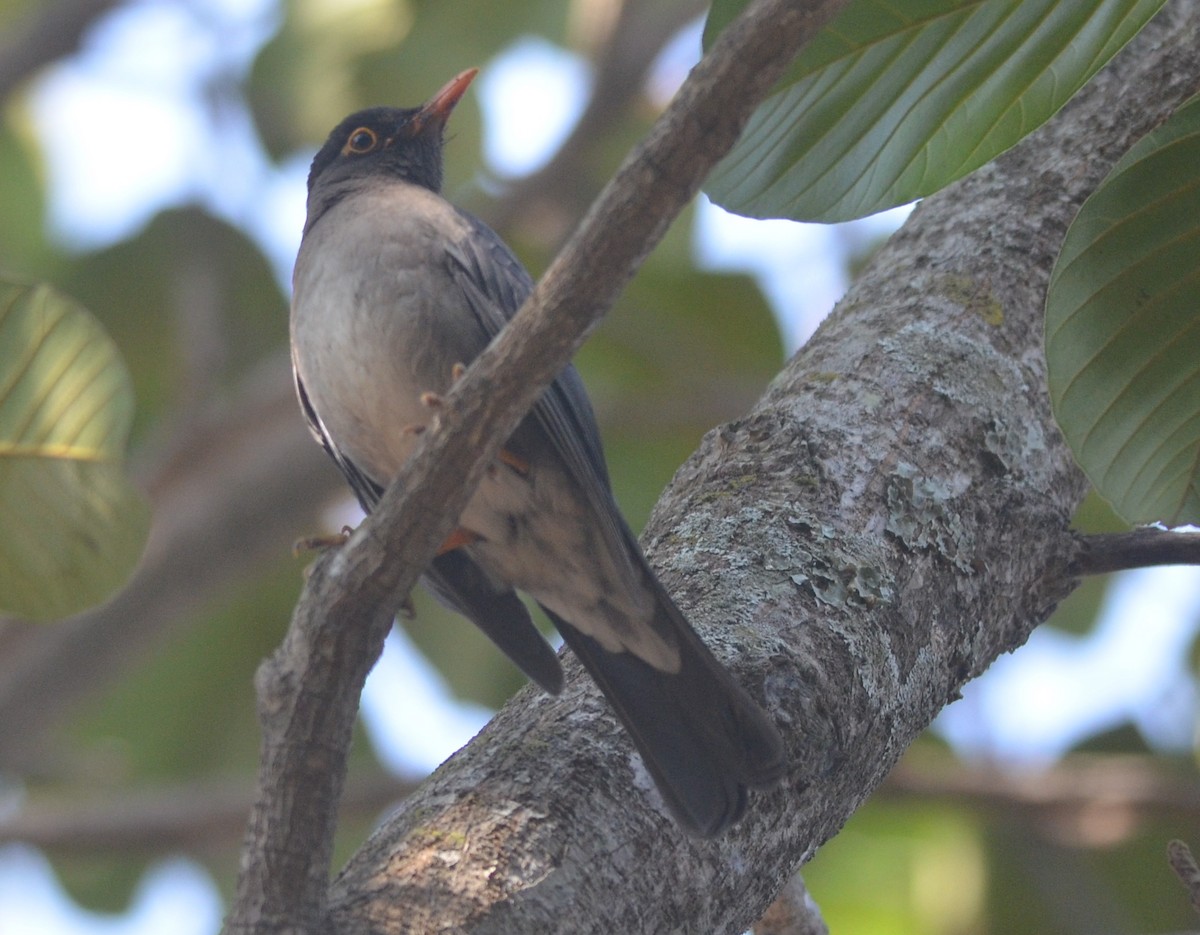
{"x": 394, "y": 291}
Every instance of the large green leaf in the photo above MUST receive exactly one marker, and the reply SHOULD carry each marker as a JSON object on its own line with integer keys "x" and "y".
{"x": 892, "y": 101}
{"x": 1123, "y": 328}
{"x": 71, "y": 525}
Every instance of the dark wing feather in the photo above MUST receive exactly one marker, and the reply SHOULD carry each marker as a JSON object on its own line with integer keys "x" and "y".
{"x": 495, "y": 285}
{"x": 462, "y": 586}
{"x": 455, "y": 580}
{"x": 366, "y": 490}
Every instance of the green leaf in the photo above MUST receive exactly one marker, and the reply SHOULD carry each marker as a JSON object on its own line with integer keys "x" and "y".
{"x": 892, "y": 102}
{"x": 1123, "y": 329}
{"x": 72, "y": 526}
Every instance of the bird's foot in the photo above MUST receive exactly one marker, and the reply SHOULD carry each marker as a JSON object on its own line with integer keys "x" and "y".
{"x": 434, "y": 401}
{"x": 321, "y": 543}
{"x": 516, "y": 462}
{"x": 457, "y": 539}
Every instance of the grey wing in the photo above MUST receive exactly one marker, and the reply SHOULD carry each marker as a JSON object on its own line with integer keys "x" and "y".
{"x": 495, "y": 285}
{"x": 454, "y": 579}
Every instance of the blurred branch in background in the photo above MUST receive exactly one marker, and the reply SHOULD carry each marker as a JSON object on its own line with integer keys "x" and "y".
{"x": 1084, "y": 800}
{"x": 203, "y": 815}
{"x": 41, "y": 33}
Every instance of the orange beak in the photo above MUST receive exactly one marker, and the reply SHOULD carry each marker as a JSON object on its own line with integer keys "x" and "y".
{"x": 436, "y": 111}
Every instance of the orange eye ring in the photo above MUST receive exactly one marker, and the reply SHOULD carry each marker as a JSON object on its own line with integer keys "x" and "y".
{"x": 361, "y": 141}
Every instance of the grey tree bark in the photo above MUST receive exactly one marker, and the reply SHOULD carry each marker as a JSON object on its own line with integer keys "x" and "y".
{"x": 891, "y": 516}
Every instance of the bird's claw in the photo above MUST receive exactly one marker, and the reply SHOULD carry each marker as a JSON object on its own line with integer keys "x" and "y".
{"x": 435, "y": 401}
{"x": 321, "y": 543}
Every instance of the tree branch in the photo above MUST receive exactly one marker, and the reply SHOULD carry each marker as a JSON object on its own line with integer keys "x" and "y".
{"x": 1179, "y": 856}
{"x": 308, "y": 690}
{"x": 794, "y": 912}
{"x": 1138, "y": 548}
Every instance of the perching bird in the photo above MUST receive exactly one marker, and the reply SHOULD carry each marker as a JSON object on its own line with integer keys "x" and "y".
{"x": 394, "y": 288}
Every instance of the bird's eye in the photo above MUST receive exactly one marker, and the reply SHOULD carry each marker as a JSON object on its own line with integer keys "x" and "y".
{"x": 362, "y": 140}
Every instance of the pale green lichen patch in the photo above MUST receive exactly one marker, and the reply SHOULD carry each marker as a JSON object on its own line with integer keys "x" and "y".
{"x": 843, "y": 575}
{"x": 846, "y": 586}
{"x": 973, "y": 296}
{"x": 438, "y": 837}
{"x": 1011, "y": 446}
{"x": 923, "y": 515}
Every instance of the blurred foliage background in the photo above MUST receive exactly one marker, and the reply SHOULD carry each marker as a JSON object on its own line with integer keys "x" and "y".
{"x": 127, "y": 734}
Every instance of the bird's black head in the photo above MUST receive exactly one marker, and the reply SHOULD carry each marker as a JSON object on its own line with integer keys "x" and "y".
{"x": 402, "y": 142}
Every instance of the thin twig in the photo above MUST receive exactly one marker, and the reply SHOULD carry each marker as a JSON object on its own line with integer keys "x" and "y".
{"x": 1139, "y": 548}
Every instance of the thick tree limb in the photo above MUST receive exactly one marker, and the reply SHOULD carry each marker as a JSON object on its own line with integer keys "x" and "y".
{"x": 308, "y": 690}
{"x": 890, "y": 518}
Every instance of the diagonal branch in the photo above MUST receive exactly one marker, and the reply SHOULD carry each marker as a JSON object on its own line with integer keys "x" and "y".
{"x": 309, "y": 689}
